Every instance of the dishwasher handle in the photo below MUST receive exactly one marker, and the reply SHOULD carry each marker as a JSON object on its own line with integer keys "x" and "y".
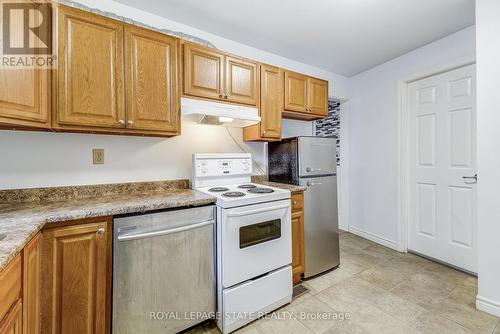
{"x": 156, "y": 233}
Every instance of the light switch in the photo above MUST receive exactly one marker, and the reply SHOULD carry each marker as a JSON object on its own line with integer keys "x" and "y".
{"x": 98, "y": 156}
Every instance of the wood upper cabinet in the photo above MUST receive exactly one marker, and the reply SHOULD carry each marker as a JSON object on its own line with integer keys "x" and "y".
{"x": 24, "y": 93}
{"x": 296, "y": 92}
{"x": 318, "y": 97}
{"x": 298, "y": 249}
{"x": 31, "y": 285}
{"x": 271, "y": 106}
{"x": 242, "y": 81}
{"x": 151, "y": 81}
{"x": 76, "y": 278}
{"x": 203, "y": 72}
{"x": 211, "y": 74}
{"x": 90, "y": 71}
{"x": 12, "y": 324}
{"x": 305, "y": 97}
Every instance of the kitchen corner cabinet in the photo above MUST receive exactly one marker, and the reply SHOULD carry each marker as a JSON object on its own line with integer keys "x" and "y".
{"x": 305, "y": 97}
{"x": 211, "y": 74}
{"x": 91, "y": 77}
{"x": 76, "y": 277}
{"x": 298, "y": 250}
{"x": 271, "y": 106}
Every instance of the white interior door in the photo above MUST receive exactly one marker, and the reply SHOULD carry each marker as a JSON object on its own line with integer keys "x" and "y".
{"x": 442, "y": 160}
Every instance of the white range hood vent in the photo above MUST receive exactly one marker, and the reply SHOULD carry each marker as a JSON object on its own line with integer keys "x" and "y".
{"x": 215, "y": 113}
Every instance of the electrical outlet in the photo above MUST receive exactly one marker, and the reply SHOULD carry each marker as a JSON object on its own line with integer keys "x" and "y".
{"x": 98, "y": 156}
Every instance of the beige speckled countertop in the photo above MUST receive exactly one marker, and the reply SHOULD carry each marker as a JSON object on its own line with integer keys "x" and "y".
{"x": 20, "y": 221}
{"x": 292, "y": 187}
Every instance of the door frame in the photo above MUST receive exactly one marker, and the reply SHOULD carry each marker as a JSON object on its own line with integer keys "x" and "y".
{"x": 404, "y": 142}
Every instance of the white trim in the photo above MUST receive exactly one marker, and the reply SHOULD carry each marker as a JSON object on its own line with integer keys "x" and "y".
{"x": 488, "y": 306}
{"x": 375, "y": 238}
{"x": 343, "y": 178}
{"x": 403, "y": 141}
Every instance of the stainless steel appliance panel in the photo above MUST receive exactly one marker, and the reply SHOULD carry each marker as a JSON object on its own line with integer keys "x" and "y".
{"x": 321, "y": 224}
{"x": 163, "y": 262}
{"x": 317, "y": 156}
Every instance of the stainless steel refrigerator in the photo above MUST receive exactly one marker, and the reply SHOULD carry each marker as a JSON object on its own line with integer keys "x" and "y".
{"x": 312, "y": 162}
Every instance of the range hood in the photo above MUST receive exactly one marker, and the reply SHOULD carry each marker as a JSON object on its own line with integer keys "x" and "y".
{"x": 215, "y": 113}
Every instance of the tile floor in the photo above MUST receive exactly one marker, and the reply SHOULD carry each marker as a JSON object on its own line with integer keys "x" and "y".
{"x": 383, "y": 291}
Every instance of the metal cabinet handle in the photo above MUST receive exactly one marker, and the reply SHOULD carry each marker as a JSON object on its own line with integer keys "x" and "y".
{"x": 470, "y": 178}
{"x": 221, "y": 96}
{"x": 101, "y": 230}
{"x": 121, "y": 121}
{"x": 311, "y": 184}
{"x": 130, "y": 122}
{"x": 294, "y": 202}
{"x": 309, "y": 169}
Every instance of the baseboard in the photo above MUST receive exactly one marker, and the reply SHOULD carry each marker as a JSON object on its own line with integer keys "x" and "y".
{"x": 375, "y": 238}
{"x": 488, "y": 306}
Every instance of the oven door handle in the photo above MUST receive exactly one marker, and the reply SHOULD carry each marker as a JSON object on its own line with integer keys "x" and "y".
{"x": 157, "y": 233}
{"x": 251, "y": 212}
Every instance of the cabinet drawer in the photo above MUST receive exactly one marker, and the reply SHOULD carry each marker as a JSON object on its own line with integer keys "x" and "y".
{"x": 10, "y": 285}
{"x": 297, "y": 201}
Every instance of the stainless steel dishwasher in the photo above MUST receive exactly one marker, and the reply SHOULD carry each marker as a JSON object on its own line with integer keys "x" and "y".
{"x": 163, "y": 271}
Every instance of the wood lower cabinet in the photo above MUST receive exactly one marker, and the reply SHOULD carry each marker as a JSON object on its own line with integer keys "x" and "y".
{"x": 90, "y": 72}
{"x": 10, "y": 287}
{"x": 31, "y": 286}
{"x": 271, "y": 106}
{"x": 76, "y": 278}
{"x": 306, "y": 97}
{"x": 12, "y": 323}
{"x": 151, "y": 80}
{"x": 298, "y": 249}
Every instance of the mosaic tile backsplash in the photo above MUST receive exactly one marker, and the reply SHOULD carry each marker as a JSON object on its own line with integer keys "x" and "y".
{"x": 330, "y": 126}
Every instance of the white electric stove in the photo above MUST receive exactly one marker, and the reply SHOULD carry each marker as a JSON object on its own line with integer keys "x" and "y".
{"x": 254, "y": 246}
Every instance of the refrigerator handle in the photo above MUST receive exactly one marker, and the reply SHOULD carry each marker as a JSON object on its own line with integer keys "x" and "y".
{"x": 309, "y": 170}
{"x": 310, "y": 184}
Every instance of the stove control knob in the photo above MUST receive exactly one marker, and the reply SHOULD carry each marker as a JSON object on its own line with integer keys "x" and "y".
{"x": 245, "y": 168}
{"x": 204, "y": 170}
{"x": 203, "y": 163}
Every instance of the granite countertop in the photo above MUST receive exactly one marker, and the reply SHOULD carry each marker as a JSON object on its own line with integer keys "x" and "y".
{"x": 20, "y": 221}
{"x": 292, "y": 187}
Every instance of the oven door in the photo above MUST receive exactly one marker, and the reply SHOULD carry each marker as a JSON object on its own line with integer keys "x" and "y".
{"x": 254, "y": 240}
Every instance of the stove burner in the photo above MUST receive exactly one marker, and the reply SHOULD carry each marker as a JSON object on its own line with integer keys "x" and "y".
{"x": 218, "y": 189}
{"x": 247, "y": 186}
{"x": 261, "y": 190}
{"x": 233, "y": 194}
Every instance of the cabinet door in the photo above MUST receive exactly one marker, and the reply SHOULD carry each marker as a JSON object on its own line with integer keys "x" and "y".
{"x": 151, "y": 81}
{"x": 24, "y": 93}
{"x": 242, "y": 81}
{"x": 76, "y": 265}
{"x": 12, "y": 324}
{"x": 203, "y": 72}
{"x": 296, "y": 92}
{"x": 271, "y": 102}
{"x": 318, "y": 97}
{"x": 298, "y": 266}
{"x": 90, "y": 70}
{"x": 31, "y": 286}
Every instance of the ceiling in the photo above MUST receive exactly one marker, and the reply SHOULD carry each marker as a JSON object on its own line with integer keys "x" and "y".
{"x": 341, "y": 36}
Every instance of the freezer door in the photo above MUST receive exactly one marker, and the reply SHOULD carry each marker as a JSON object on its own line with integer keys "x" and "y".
{"x": 317, "y": 156}
{"x": 320, "y": 224}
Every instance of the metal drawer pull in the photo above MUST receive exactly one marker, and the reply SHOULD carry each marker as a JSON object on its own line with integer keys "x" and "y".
{"x": 311, "y": 184}
{"x": 309, "y": 169}
{"x": 150, "y": 234}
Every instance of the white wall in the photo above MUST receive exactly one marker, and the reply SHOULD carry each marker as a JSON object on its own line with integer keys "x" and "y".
{"x": 488, "y": 123}
{"x": 373, "y": 134}
{"x": 32, "y": 159}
